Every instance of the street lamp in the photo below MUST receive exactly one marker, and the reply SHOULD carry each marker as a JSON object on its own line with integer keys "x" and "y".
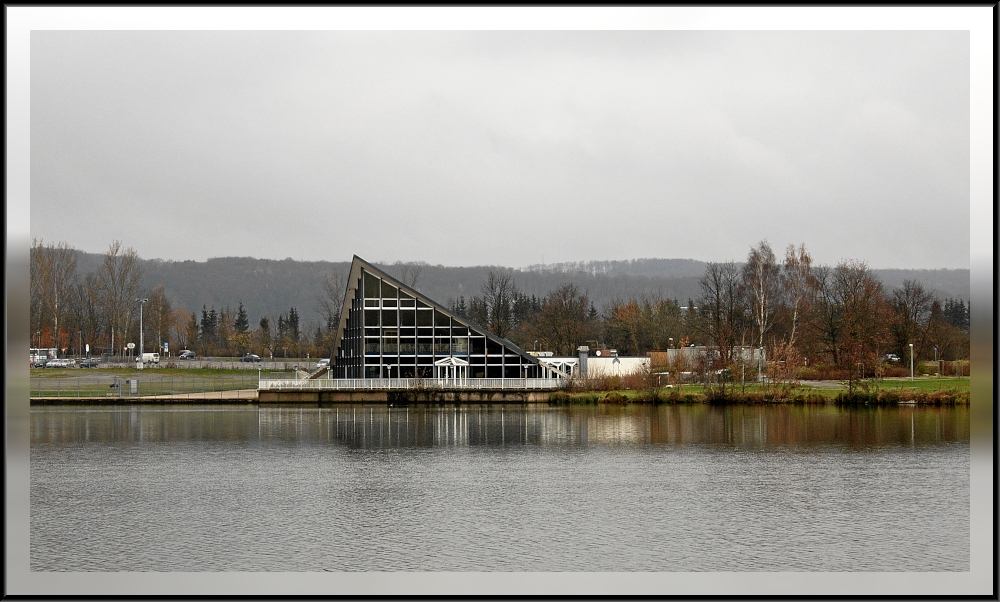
{"x": 937, "y": 366}
{"x": 911, "y": 361}
{"x": 140, "y": 302}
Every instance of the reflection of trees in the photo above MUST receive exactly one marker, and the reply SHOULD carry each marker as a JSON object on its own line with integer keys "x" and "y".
{"x": 380, "y": 427}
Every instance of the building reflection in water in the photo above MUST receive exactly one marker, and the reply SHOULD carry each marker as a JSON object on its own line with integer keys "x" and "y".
{"x": 378, "y": 426}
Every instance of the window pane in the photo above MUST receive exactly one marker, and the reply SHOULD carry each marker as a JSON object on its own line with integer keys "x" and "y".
{"x": 371, "y": 286}
{"x": 388, "y": 317}
{"x": 371, "y": 317}
{"x": 423, "y": 317}
{"x": 389, "y": 291}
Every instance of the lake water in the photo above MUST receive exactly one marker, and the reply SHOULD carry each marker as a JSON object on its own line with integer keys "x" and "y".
{"x": 499, "y": 488}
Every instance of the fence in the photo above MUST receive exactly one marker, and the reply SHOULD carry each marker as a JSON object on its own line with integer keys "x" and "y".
{"x": 356, "y": 384}
{"x": 219, "y": 364}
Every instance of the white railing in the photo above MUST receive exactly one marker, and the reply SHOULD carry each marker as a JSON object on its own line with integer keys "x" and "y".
{"x": 367, "y": 384}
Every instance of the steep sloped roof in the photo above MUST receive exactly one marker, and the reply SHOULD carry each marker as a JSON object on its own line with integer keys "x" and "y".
{"x": 352, "y": 284}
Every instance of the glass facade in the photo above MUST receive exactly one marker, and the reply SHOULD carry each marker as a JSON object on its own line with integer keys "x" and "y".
{"x": 393, "y": 332}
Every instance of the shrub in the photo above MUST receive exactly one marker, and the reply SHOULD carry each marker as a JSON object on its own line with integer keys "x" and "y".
{"x": 823, "y": 372}
{"x": 614, "y": 397}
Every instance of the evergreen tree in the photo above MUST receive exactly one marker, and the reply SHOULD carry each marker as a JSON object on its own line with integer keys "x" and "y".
{"x": 205, "y": 324}
{"x": 956, "y": 312}
{"x": 265, "y": 333}
{"x": 213, "y": 323}
{"x": 242, "y": 322}
{"x": 293, "y": 324}
{"x": 461, "y": 309}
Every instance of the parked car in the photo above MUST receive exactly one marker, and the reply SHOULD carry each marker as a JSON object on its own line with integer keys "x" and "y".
{"x": 323, "y": 363}
{"x": 250, "y": 357}
{"x": 90, "y": 362}
{"x": 60, "y": 363}
{"x": 186, "y": 355}
{"x": 890, "y": 357}
{"x": 39, "y": 363}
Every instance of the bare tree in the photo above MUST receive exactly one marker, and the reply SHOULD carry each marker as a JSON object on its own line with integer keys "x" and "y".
{"x": 761, "y": 277}
{"x": 409, "y": 273}
{"x": 721, "y": 305}
{"x": 865, "y": 316}
{"x": 330, "y": 301}
{"x": 53, "y": 274}
{"x": 499, "y": 292}
{"x": 38, "y": 275}
{"x": 160, "y": 316}
{"x": 118, "y": 280}
{"x": 562, "y": 323}
{"x": 913, "y": 309}
{"x": 799, "y": 285}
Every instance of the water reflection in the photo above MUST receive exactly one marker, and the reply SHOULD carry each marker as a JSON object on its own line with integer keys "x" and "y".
{"x": 378, "y": 426}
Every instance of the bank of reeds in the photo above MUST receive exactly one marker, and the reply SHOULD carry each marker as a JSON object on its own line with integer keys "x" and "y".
{"x": 650, "y": 388}
{"x": 948, "y": 397}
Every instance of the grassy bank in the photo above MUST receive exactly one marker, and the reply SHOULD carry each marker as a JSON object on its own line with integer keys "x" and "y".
{"x": 931, "y": 391}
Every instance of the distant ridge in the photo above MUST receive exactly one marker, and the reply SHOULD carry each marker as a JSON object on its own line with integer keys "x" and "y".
{"x": 652, "y": 267}
{"x": 272, "y": 286}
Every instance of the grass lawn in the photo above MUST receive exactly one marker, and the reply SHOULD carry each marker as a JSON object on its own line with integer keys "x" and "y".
{"x": 98, "y": 382}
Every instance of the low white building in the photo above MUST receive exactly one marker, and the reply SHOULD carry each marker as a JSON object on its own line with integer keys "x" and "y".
{"x": 596, "y": 366}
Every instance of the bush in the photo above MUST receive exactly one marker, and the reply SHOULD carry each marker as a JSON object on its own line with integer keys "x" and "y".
{"x": 823, "y": 372}
{"x": 614, "y": 397}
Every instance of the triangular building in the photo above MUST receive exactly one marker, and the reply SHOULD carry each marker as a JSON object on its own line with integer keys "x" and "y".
{"x": 389, "y": 330}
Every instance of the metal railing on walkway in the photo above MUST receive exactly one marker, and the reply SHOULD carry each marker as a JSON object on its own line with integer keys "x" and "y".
{"x": 369, "y": 384}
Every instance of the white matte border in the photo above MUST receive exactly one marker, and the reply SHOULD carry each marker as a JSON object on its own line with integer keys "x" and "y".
{"x": 977, "y": 20}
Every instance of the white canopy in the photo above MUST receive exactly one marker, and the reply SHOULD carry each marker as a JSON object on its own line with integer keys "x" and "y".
{"x": 451, "y": 361}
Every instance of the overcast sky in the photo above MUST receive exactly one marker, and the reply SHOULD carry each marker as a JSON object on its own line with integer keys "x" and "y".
{"x": 508, "y": 148}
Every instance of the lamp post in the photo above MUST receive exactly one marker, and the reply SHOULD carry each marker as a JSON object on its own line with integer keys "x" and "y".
{"x": 937, "y": 366}
{"x": 80, "y": 333}
{"x": 140, "y": 302}
{"x": 911, "y": 361}
{"x": 536, "y": 344}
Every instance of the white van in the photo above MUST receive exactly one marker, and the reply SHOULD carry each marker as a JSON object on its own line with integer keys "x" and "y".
{"x": 151, "y": 358}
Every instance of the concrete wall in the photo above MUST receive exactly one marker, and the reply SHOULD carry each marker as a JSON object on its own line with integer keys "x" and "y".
{"x": 615, "y": 366}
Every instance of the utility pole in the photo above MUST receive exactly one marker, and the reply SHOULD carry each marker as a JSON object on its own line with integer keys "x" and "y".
{"x": 140, "y": 302}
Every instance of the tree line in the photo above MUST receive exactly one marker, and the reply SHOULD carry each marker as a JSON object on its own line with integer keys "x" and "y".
{"x": 100, "y": 311}
{"x": 799, "y": 313}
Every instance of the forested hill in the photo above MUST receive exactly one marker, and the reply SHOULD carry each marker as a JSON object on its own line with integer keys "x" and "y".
{"x": 270, "y": 287}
